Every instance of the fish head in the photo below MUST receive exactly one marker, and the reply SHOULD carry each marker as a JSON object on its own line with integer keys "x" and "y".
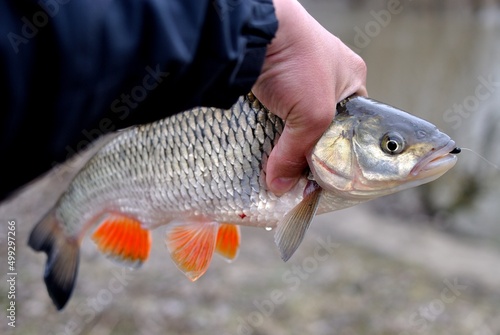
{"x": 372, "y": 149}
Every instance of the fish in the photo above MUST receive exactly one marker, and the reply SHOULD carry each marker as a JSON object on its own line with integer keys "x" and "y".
{"x": 200, "y": 174}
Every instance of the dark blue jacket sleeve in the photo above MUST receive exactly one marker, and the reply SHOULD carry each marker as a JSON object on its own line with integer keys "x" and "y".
{"x": 73, "y": 70}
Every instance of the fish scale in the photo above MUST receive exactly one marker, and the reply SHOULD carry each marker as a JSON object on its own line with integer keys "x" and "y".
{"x": 209, "y": 162}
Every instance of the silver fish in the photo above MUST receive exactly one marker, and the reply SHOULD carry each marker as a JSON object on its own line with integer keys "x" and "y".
{"x": 201, "y": 173}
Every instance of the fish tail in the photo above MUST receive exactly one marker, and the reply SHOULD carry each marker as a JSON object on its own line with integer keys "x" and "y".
{"x": 62, "y": 257}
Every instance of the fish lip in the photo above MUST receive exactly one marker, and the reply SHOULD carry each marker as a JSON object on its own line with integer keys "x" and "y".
{"x": 439, "y": 160}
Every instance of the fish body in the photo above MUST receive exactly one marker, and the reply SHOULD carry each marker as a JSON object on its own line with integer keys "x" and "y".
{"x": 201, "y": 173}
{"x": 203, "y": 162}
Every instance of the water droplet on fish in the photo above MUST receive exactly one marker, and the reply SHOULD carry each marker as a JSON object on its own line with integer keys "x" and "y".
{"x": 269, "y": 228}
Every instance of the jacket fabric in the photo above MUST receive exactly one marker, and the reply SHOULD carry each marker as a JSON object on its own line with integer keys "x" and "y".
{"x": 73, "y": 70}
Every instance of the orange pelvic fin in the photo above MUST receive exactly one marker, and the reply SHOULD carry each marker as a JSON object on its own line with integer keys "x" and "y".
{"x": 228, "y": 241}
{"x": 122, "y": 239}
{"x": 62, "y": 258}
{"x": 191, "y": 245}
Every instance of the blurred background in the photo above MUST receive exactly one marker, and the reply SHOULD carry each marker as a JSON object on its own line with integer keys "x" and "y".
{"x": 424, "y": 261}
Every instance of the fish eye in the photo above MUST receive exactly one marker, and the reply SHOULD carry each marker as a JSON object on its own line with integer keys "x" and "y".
{"x": 392, "y": 143}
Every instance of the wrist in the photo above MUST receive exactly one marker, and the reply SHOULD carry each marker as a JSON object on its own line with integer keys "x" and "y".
{"x": 292, "y": 19}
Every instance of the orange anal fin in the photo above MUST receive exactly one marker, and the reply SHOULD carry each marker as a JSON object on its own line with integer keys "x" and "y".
{"x": 228, "y": 241}
{"x": 122, "y": 239}
{"x": 62, "y": 252}
{"x": 191, "y": 245}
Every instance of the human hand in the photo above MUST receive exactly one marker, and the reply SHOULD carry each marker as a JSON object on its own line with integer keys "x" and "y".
{"x": 307, "y": 70}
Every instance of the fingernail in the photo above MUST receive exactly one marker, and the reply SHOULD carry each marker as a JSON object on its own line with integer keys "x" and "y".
{"x": 279, "y": 186}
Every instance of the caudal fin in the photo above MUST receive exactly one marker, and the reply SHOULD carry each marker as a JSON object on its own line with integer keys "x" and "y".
{"x": 62, "y": 258}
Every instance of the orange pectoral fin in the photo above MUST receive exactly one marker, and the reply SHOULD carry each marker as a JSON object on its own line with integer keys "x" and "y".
{"x": 191, "y": 245}
{"x": 228, "y": 241}
{"x": 122, "y": 238}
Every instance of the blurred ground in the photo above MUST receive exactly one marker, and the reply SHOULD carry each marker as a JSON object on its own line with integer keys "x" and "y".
{"x": 415, "y": 263}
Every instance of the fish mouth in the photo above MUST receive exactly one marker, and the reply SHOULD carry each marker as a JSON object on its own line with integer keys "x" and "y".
{"x": 436, "y": 163}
